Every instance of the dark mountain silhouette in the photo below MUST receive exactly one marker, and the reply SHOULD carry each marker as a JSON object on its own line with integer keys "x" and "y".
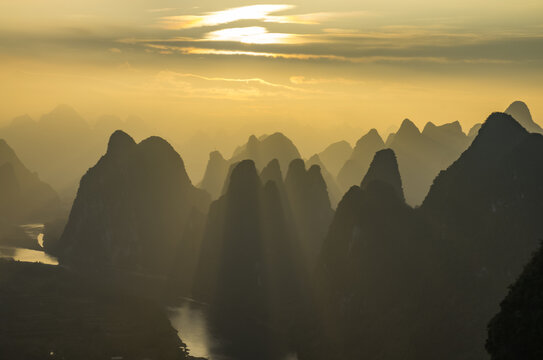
{"x": 334, "y": 192}
{"x": 335, "y": 156}
{"x": 310, "y": 204}
{"x": 215, "y": 174}
{"x": 398, "y": 283}
{"x": 374, "y": 258}
{"x": 520, "y": 112}
{"x": 515, "y": 332}
{"x": 356, "y": 167}
{"x": 248, "y": 268}
{"x": 484, "y": 209}
{"x": 24, "y": 198}
{"x": 133, "y": 210}
{"x": 384, "y": 167}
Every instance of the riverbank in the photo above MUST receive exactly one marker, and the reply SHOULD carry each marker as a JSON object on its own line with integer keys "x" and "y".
{"x": 49, "y": 312}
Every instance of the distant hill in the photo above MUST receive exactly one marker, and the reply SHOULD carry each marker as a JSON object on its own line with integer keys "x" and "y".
{"x": 333, "y": 189}
{"x": 422, "y": 155}
{"x": 215, "y": 174}
{"x": 335, "y": 155}
{"x": 261, "y": 150}
{"x": 358, "y": 163}
{"x": 520, "y": 112}
{"x": 23, "y": 196}
{"x": 61, "y": 145}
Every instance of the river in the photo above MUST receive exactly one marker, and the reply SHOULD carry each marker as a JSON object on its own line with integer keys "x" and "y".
{"x": 187, "y": 317}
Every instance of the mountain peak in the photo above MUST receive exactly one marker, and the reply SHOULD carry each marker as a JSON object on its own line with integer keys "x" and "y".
{"x": 384, "y": 168}
{"x": 372, "y": 137}
{"x": 63, "y": 115}
{"x": 500, "y": 127}
{"x": 244, "y": 177}
{"x": 216, "y": 156}
{"x": 408, "y": 128}
{"x": 314, "y": 171}
{"x": 252, "y": 140}
{"x": 521, "y": 113}
{"x": 296, "y": 167}
{"x": 429, "y": 126}
{"x": 118, "y": 141}
{"x": 272, "y": 172}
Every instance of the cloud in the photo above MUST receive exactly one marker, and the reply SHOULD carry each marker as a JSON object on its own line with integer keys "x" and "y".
{"x": 252, "y": 35}
{"x": 328, "y": 57}
{"x": 188, "y": 85}
{"x": 252, "y": 12}
{"x": 262, "y": 12}
{"x": 302, "y": 80}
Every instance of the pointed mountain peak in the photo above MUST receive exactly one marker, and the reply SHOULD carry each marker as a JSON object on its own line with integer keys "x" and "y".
{"x": 453, "y": 127}
{"x": 272, "y": 172}
{"x": 63, "y": 115}
{"x": 372, "y": 137}
{"x": 499, "y": 131}
{"x": 296, "y": 168}
{"x": 519, "y": 108}
{"x": 252, "y": 140}
{"x": 118, "y": 141}
{"x": 216, "y": 156}
{"x": 408, "y": 128}
{"x": 520, "y": 112}
{"x": 384, "y": 168}
{"x": 429, "y": 127}
{"x": 244, "y": 177}
{"x": 501, "y": 123}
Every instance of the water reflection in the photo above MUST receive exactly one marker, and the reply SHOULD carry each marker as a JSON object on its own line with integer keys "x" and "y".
{"x": 191, "y": 320}
{"x": 27, "y": 255}
{"x": 34, "y": 231}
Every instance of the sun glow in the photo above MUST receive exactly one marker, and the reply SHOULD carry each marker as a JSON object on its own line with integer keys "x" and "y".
{"x": 252, "y": 12}
{"x": 251, "y": 35}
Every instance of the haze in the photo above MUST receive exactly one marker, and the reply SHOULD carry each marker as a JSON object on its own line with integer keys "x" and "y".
{"x": 299, "y": 67}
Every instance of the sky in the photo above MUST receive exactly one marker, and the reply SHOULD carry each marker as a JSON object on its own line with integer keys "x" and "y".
{"x": 318, "y": 70}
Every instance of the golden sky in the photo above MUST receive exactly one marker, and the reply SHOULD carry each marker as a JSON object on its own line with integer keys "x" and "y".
{"x": 189, "y": 65}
